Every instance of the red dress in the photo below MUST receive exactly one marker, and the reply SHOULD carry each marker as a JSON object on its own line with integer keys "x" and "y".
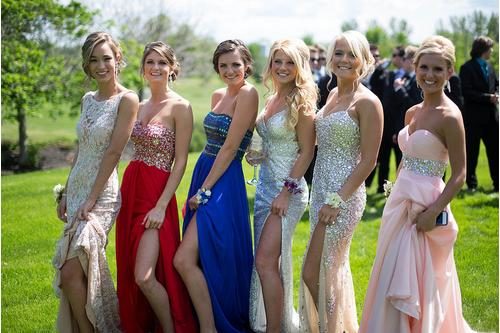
{"x": 143, "y": 183}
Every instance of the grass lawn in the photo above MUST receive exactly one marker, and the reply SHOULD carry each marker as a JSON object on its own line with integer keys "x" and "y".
{"x": 30, "y": 230}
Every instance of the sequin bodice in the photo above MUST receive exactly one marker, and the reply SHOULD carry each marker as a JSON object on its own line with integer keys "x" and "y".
{"x": 339, "y": 145}
{"x": 423, "y": 152}
{"x": 154, "y": 145}
{"x": 216, "y": 128}
{"x": 280, "y": 146}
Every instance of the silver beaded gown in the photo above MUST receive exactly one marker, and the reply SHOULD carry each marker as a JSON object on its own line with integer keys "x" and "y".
{"x": 338, "y": 138}
{"x": 87, "y": 240}
{"x": 281, "y": 148}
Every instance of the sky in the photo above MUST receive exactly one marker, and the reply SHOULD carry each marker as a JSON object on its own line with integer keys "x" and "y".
{"x": 268, "y": 20}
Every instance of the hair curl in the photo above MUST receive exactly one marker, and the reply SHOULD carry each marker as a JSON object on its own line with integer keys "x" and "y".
{"x": 167, "y": 52}
{"x": 305, "y": 94}
{"x": 360, "y": 47}
{"x": 95, "y": 39}
{"x": 232, "y": 45}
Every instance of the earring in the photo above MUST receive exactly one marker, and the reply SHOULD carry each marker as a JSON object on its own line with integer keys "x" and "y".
{"x": 418, "y": 86}
{"x": 448, "y": 86}
{"x": 171, "y": 78}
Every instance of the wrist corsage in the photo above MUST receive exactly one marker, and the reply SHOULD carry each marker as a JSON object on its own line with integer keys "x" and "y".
{"x": 387, "y": 188}
{"x": 59, "y": 193}
{"x": 334, "y": 200}
{"x": 292, "y": 185}
{"x": 203, "y": 195}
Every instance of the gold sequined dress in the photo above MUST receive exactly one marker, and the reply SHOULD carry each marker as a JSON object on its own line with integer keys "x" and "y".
{"x": 87, "y": 240}
{"x": 338, "y": 138}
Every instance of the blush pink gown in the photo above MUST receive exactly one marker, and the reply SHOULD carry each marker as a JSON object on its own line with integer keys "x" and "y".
{"x": 414, "y": 285}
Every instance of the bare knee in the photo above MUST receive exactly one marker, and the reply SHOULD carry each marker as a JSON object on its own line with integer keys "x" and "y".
{"x": 71, "y": 277}
{"x": 310, "y": 278}
{"x": 265, "y": 265}
{"x": 183, "y": 263}
{"x": 145, "y": 281}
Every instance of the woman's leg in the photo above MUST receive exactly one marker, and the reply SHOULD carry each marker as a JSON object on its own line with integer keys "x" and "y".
{"x": 267, "y": 265}
{"x": 74, "y": 286}
{"x": 312, "y": 263}
{"x": 145, "y": 264}
{"x": 186, "y": 263}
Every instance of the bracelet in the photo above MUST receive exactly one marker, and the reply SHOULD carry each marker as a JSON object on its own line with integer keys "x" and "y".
{"x": 292, "y": 185}
{"x": 59, "y": 192}
{"x": 335, "y": 201}
{"x": 203, "y": 195}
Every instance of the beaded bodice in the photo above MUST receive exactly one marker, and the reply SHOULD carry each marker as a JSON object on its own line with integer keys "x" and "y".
{"x": 154, "y": 144}
{"x": 216, "y": 128}
{"x": 280, "y": 146}
{"x": 423, "y": 152}
{"x": 339, "y": 145}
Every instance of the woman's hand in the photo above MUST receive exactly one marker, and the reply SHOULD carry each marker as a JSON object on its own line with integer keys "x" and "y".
{"x": 327, "y": 215}
{"x": 279, "y": 206}
{"x": 61, "y": 210}
{"x": 193, "y": 203}
{"x": 426, "y": 220}
{"x": 83, "y": 212}
{"x": 154, "y": 218}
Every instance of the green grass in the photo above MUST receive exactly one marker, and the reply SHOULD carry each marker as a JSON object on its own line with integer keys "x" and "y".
{"x": 30, "y": 230}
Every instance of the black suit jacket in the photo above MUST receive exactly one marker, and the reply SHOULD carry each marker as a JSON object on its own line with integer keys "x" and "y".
{"x": 476, "y": 90}
{"x": 399, "y": 101}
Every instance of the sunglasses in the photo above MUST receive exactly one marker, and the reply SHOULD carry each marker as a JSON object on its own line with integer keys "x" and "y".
{"x": 315, "y": 59}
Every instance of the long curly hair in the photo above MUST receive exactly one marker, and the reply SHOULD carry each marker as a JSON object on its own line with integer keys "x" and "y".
{"x": 305, "y": 94}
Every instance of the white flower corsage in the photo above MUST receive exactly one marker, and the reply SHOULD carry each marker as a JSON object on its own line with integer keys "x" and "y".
{"x": 203, "y": 195}
{"x": 388, "y": 187}
{"x": 58, "y": 191}
{"x": 334, "y": 200}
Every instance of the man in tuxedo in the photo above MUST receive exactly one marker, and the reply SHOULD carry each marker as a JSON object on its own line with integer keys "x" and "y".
{"x": 480, "y": 92}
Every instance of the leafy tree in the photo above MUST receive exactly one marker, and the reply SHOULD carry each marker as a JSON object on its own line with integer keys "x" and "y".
{"x": 349, "y": 25}
{"x": 31, "y": 72}
{"x": 463, "y": 29}
{"x": 399, "y": 31}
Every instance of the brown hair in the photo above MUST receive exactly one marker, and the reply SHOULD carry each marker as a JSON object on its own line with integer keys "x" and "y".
{"x": 92, "y": 41}
{"x": 232, "y": 45}
{"x": 166, "y": 52}
{"x": 480, "y": 45}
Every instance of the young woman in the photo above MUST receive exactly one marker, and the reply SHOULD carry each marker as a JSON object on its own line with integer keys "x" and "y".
{"x": 349, "y": 131}
{"x": 287, "y": 128}
{"x": 91, "y": 201}
{"x": 414, "y": 285}
{"x": 151, "y": 294}
{"x": 215, "y": 257}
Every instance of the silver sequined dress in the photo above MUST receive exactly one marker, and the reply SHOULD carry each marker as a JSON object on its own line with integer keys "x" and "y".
{"x": 338, "y": 139}
{"x": 87, "y": 240}
{"x": 281, "y": 148}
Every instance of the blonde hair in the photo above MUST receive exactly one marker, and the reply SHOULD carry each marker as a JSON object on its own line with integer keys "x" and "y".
{"x": 95, "y": 39}
{"x": 360, "y": 48}
{"x": 438, "y": 45}
{"x": 166, "y": 52}
{"x": 304, "y": 96}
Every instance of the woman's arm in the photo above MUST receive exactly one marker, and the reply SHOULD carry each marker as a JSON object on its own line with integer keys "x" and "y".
{"x": 183, "y": 119}
{"x": 306, "y": 137}
{"x": 244, "y": 117}
{"x": 454, "y": 134}
{"x": 127, "y": 113}
{"x": 371, "y": 123}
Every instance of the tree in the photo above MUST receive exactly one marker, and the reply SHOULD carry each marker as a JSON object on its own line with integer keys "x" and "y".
{"x": 31, "y": 72}
{"x": 400, "y": 31}
{"x": 349, "y": 25}
{"x": 462, "y": 31}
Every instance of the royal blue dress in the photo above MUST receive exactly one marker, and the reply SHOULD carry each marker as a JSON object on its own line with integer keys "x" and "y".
{"x": 224, "y": 235}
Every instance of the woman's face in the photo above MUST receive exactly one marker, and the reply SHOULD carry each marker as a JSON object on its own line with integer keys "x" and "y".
{"x": 156, "y": 68}
{"x": 432, "y": 72}
{"x": 102, "y": 64}
{"x": 232, "y": 68}
{"x": 283, "y": 69}
{"x": 345, "y": 64}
